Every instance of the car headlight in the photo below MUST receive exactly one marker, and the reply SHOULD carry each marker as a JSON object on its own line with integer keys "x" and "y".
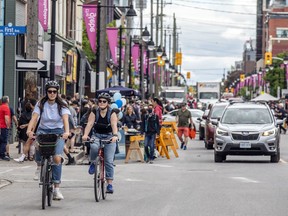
{"x": 221, "y": 132}
{"x": 269, "y": 132}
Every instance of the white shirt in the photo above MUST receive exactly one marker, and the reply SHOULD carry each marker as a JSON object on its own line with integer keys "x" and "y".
{"x": 50, "y": 118}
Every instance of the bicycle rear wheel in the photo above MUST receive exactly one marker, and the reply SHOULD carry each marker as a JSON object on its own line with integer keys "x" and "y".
{"x": 44, "y": 182}
{"x": 49, "y": 185}
{"x": 97, "y": 179}
{"x": 103, "y": 181}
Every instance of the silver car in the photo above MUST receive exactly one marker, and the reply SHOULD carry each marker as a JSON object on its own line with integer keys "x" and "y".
{"x": 247, "y": 129}
{"x": 196, "y": 114}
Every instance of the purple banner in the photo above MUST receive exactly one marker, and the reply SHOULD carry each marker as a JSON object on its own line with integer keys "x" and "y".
{"x": 90, "y": 17}
{"x": 43, "y": 9}
{"x": 135, "y": 56}
{"x": 112, "y": 34}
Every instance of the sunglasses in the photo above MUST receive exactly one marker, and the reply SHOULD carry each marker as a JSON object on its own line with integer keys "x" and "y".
{"x": 52, "y": 91}
{"x": 102, "y": 101}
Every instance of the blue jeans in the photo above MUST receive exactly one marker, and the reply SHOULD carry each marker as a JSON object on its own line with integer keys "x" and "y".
{"x": 4, "y": 137}
{"x": 150, "y": 142}
{"x": 56, "y": 168}
{"x": 109, "y": 152}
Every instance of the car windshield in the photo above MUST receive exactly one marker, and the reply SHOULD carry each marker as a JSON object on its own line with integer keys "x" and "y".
{"x": 246, "y": 116}
{"x": 208, "y": 95}
{"x": 196, "y": 114}
{"x": 217, "y": 111}
{"x": 173, "y": 94}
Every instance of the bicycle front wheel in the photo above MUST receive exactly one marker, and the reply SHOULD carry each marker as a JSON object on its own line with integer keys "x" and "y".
{"x": 44, "y": 182}
{"x": 49, "y": 185}
{"x": 97, "y": 179}
{"x": 103, "y": 180}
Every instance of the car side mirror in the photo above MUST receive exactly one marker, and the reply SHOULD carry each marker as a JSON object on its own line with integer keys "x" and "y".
{"x": 214, "y": 122}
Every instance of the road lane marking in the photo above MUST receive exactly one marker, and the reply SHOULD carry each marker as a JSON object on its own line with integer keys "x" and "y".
{"x": 245, "y": 180}
{"x": 11, "y": 170}
{"x": 134, "y": 180}
{"x": 161, "y": 165}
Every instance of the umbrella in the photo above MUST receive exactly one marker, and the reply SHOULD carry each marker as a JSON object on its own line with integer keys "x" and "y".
{"x": 122, "y": 90}
{"x": 265, "y": 97}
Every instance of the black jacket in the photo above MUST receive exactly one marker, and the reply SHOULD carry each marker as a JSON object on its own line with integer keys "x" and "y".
{"x": 150, "y": 124}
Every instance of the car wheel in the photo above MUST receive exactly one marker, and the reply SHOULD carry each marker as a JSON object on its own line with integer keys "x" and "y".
{"x": 275, "y": 158}
{"x": 209, "y": 145}
{"x": 201, "y": 133}
{"x": 217, "y": 157}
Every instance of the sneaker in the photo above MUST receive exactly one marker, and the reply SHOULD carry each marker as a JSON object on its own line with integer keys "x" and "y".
{"x": 57, "y": 195}
{"x": 20, "y": 159}
{"x": 36, "y": 175}
{"x": 182, "y": 144}
{"x": 91, "y": 170}
{"x": 185, "y": 148}
{"x": 71, "y": 161}
{"x": 6, "y": 158}
{"x": 151, "y": 162}
{"x": 109, "y": 189}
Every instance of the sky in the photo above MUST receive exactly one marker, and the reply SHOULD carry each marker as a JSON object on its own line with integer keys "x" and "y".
{"x": 212, "y": 33}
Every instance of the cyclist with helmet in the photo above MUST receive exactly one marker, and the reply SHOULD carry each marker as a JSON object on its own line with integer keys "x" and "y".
{"x": 104, "y": 123}
{"x": 53, "y": 114}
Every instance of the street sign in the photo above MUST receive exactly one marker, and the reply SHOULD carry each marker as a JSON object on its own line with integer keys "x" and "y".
{"x": 31, "y": 65}
{"x": 12, "y": 30}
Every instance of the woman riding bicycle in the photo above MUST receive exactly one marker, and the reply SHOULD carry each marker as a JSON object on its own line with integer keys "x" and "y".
{"x": 104, "y": 123}
{"x": 53, "y": 115}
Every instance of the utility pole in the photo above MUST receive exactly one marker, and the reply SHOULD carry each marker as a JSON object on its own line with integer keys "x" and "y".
{"x": 174, "y": 48}
{"x": 32, "y": 46}
{"x": 53, "y": 39}
{"x": 103, "y": 49}
{"x": 151, "y": 54}
{"x": 141, "y": 54}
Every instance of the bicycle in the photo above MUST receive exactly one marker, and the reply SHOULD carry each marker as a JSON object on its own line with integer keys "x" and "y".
{"x": 100, "y": 183}
{"x": 47, "y": 144}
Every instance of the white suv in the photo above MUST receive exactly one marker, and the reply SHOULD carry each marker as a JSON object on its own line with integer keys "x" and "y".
{"x": 247, "y": 129}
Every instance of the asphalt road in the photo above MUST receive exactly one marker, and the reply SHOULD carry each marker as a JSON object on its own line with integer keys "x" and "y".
{"x": 189, "y": 185}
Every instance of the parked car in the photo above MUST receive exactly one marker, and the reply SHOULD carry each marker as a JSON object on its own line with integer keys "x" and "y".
{"x": 215, "y": 112}
{"x": 196, "y": 113}
{"x": 247, "y": 129}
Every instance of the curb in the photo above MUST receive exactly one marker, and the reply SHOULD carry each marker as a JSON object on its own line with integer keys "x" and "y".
{"x": 4, "y": 183}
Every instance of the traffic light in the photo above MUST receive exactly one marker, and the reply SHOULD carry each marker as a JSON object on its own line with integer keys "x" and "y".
{"x": 160, "y": 62}
{"x": 268, "y": 58}
{"x": 188, "y": 75}
{"x": 242, "y": 77}
{"x": 178, "y": 58}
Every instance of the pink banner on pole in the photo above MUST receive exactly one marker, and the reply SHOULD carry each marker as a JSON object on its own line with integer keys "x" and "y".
{"x": 260, "y": 79}
{"x": 112, "y": 34}
{"x": 90, "y": 17}
{"x": 43, "y": 9}
{"x": 135, "y": 56}
{"x": 145, "y": 61}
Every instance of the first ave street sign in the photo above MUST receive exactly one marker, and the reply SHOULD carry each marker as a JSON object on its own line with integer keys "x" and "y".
{"x": 31, "y": 65}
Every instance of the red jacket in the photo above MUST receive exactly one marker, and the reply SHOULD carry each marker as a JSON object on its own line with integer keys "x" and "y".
{"x": 4, "y": 111}
{"x": 158, "y": 112}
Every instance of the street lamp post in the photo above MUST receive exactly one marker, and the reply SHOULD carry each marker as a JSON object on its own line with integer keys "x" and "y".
{"x": 53, "y": 39}
{"x": 285, "y": 61}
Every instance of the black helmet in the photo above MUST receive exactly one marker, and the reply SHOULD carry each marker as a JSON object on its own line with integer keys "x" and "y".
{"x": 52, "y": 84}
{"x": 105, "y": 96}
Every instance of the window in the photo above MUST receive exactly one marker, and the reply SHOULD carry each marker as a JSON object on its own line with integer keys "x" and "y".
{"x": 282, "y": 32}
{"x": 20, "y": 44}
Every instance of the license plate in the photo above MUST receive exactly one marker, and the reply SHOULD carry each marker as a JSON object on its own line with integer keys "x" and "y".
{"x": 245, "y": 145}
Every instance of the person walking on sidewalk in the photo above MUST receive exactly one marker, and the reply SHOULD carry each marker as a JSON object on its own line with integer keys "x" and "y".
{"x": 5, "y": 123}
{"x": 104, "y": 123}
{"x": 183, "y": 119}
{"x": 150, "y": 126}
{"x": 52, "y": 113}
